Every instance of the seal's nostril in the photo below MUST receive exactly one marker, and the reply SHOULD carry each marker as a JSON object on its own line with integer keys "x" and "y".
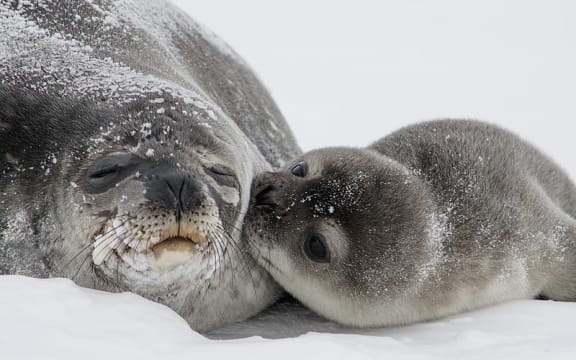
{"x": 264, "y": 198}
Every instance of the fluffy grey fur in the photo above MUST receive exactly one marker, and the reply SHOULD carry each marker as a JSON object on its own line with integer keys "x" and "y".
{"x": 431, "y": 220}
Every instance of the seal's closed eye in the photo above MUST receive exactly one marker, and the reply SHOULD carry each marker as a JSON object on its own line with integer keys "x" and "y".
{"x": 109, "y": 170}
{"x": 223, "y": 175}
{"x": 100, "y": 173}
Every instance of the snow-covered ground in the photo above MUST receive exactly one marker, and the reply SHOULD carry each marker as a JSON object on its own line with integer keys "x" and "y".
{"x": 346, "y": 73}
{"x": 55, "y": 319}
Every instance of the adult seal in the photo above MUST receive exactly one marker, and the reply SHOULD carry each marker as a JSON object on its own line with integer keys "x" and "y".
{"x": 432, "y": 220}
{"x": 129, "y": 137}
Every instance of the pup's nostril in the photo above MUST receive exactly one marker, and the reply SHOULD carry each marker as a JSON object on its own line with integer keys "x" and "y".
{"x": 264, "y": 198}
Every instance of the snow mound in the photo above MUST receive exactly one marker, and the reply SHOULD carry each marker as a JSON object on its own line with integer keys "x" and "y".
{"x": 55, "y": 319}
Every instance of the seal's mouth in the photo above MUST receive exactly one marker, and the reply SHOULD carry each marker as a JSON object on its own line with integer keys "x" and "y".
{"x": 162, "y": 249}
{"x": 177, "y": 250}
{"x": 177, "y": 243}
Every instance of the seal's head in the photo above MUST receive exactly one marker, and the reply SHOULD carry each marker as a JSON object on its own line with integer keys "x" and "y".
{"x": 129, "y": 137}
{"x": 336, "y": 228}
{"x": 148, "y": 197}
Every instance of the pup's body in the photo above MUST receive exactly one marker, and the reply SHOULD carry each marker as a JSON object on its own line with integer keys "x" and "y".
{"x": 432, "y": 220}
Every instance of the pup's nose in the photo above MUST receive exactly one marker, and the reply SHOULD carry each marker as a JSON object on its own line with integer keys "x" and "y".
{"x": 266, "y": 193}
{"x": 265, "y": 198}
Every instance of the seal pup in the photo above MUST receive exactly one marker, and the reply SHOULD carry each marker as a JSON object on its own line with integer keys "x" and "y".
{"x": 432, "y": 220}
{"x": 129, "y": 137}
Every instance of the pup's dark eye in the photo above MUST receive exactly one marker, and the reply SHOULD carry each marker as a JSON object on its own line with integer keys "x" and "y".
{"x": 300, "y": 169}
{"x": 316, "y": 248}
{"x": 223, "y": 175}
{"x": 109, "y": 170}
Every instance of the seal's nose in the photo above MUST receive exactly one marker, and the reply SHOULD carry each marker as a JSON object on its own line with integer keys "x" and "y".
{"x": 175, "y": 190}
{"x": 265, "y": 198}
{"x": 266, "y": 192}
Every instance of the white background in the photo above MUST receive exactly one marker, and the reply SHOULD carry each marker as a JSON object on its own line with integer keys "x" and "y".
{"x": 349, "y": 72}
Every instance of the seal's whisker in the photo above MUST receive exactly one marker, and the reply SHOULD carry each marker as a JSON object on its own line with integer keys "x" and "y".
{"x": 222, "y": 256}
{"x": 245, "y": 268}
{"x": 254, "y": 244}
{"x": 128, "y": 242}
{"x": 83, "y": 249}
{"x": 86, "y": 258}
{"x": 217, "y": 246}
{"x": 105, "y": 244}
{"x": 95, "y": 241}
{"x": 219, "y": 253}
